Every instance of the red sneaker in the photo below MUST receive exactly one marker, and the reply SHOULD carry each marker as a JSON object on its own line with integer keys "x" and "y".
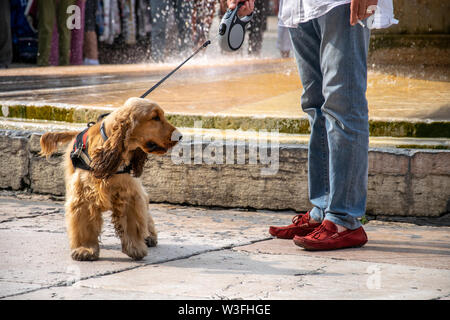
{"x": 300, "y": 227}
{"x": 326, "y": 237}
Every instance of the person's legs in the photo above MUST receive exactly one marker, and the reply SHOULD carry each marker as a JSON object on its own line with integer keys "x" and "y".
{"x": 47, "y": 16}
{"x": 159, "y": 10}
{"x": 306, "y": 43}
{"x": 63, "y": 31}
{"x": 90, "y": 47}
{"x": 343, "y": 63}
{"x": 183, "y": 19}
{"x": 5, "y": 34}
{"x": 77, "y": 36}
{"x": 306, "y": 46}
{"x": 331, "y": 57}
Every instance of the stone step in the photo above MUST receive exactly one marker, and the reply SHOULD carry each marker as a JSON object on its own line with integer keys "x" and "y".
{"x": 229, "y": 134}
{"x": 413, "y": 128}
{"x": 247, "y": 174}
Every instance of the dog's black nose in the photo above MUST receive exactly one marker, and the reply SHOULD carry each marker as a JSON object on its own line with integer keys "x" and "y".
{"x": 177, "y": 136}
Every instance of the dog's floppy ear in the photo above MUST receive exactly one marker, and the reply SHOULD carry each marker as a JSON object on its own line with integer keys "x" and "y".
{"x": 138, "y": 162}
{"x": 107, "y": 158}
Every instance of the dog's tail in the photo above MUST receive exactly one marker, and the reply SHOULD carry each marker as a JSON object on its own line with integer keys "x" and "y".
{"x": 51, "y": 140}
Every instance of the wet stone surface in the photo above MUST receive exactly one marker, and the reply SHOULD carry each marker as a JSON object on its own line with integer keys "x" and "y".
{"x": 272, "y": 89}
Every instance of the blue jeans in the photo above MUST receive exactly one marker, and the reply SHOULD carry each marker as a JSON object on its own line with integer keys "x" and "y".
{"x": 332, "y": 61}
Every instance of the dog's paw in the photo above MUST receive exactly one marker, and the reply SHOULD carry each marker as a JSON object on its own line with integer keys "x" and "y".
{"x": 151, "y": 241}
{"x": 136, "y": 253}
{"x": 85, "y": 254}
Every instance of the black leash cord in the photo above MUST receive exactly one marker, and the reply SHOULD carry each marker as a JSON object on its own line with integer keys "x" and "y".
{"x": 174, "y": 70}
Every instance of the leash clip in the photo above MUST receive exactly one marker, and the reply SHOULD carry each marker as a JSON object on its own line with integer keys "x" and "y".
{"x": 77, "y": 152}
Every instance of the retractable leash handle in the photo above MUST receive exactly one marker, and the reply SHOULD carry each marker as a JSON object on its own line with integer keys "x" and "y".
{"x": 232, "y": 29}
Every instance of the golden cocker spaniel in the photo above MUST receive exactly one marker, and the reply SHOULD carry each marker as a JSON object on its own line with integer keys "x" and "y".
{"x": 116, "y": 149}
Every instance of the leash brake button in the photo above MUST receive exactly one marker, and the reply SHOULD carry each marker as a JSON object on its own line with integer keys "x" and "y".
{"x": 222, "y": 29}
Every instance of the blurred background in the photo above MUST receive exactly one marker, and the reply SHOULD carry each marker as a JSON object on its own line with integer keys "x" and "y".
{"x": 146, "y": 31}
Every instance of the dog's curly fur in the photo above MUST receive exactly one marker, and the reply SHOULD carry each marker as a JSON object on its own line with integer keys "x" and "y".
{"x": 134, "y": 130}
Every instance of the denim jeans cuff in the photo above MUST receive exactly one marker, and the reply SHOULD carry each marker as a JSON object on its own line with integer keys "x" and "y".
{"x": 316, "y": 214}
{"x": 346, "y": 221}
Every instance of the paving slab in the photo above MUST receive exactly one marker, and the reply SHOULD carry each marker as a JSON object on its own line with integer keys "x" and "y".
{"x": 393, "y": 243}
{"x": 16, "y": 210}
{"x": 216, "y": 253}
{"x": 38, "y": 233}
{"x": 230, "y": 274}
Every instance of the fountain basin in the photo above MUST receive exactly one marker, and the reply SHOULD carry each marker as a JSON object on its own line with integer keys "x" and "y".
{"x": 245, "y": 94}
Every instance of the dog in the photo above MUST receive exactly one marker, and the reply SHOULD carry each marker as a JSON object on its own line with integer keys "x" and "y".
{"x": 115, "y": 149}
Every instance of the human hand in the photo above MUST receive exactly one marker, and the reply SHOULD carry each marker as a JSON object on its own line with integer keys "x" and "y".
{"x": 358, "y": 10}
{"x": 246, "y": 8}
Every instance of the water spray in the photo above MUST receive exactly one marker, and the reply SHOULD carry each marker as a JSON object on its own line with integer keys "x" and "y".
{"x": 231, "y": 36}
{"x": 204, "y": 45}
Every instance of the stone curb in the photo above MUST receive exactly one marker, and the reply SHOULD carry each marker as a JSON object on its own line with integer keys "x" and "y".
{"x": 386, "y": 40}
{"x": 407, "y": 183}
{"x": 294, "y": 125}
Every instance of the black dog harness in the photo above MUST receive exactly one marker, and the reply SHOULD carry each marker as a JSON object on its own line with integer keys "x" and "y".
{"x": 80, "y": 156}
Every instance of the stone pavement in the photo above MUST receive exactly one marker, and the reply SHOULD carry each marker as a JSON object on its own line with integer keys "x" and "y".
{"x": 215, "y": 253}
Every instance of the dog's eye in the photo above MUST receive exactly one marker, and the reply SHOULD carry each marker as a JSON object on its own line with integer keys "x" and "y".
{"x": 156, "y": 118}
